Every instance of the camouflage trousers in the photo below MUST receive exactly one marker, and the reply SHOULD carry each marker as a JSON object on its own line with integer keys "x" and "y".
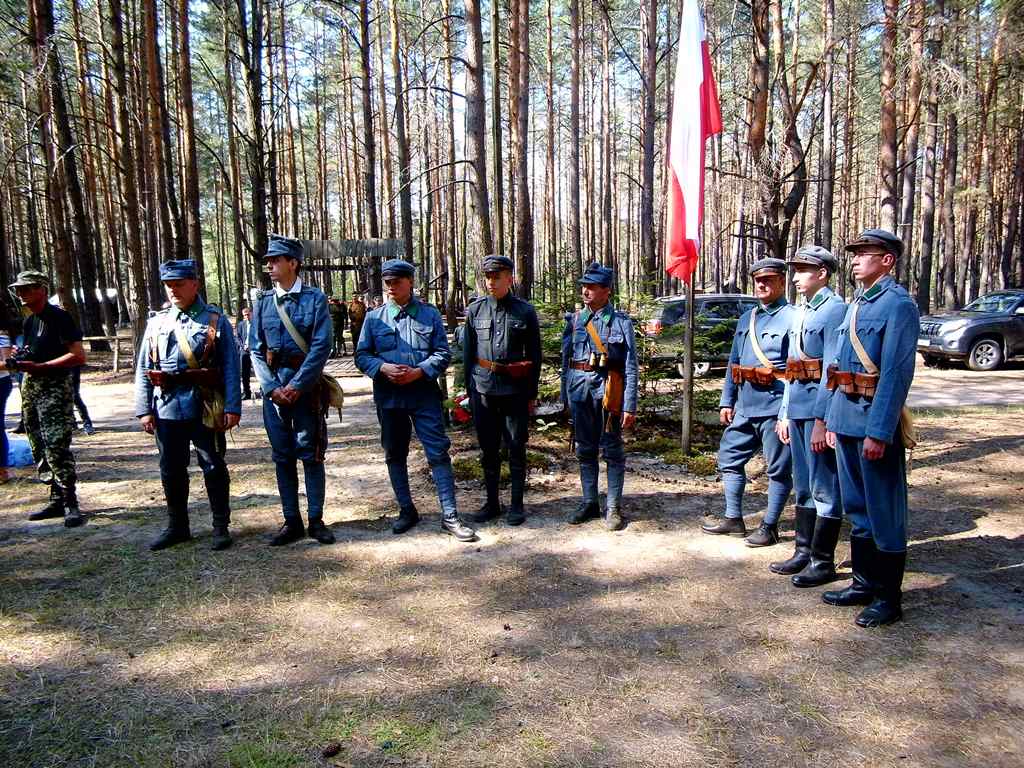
{"x": 47, "y": 407}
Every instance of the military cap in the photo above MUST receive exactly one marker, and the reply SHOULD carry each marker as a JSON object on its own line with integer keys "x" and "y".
{"x": 596, "y": 274}
{"x": 879, "y": 238}
{"x": 183, "y": 269}
{"x": 815, "y": 256}
{"x": 30, "y": 277}
{"x": 768, "y": 266}
{"x": 495, "y": 262}
{"x": 286, "y": 247}
{"x": 397, "y": 268}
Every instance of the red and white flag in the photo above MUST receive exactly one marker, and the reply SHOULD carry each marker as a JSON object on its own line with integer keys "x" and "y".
{"x": 695, "y": 117}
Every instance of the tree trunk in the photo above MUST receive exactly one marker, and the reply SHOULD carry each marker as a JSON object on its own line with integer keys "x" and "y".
{"x": 575, "y": 241}
{"x": 519, "y": 117}
{"x": 649, "y": 47}
{"x": 404, "y": 174}
{"x": 951, "y": 297}
{"x": 889, "y": 203}
{"x": 476, "y": 129}
{"x": 924, "y": 277}
{"x": 188, "y": 127}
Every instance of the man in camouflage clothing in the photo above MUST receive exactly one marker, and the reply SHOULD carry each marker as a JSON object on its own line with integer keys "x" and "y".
{"x": 52, "y": 349}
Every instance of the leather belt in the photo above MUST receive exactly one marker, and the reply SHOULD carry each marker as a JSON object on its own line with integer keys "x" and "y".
{"x": 516, "y": 370}
{"x": 582, "y": 365}
{"x": 276, "y": 360}
{"x": 756, "y": 375}
{"x": 203, "y": 377}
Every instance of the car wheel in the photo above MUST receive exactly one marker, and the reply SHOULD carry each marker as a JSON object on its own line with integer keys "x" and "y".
{"x": 700, "y": 369}
{"x": 985, "y": 355}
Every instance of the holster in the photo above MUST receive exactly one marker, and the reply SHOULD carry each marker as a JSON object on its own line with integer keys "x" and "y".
{"x": 851, "y": 383}
{"x": 517, "y": 370}
{"x": 803, "y": 370}
{"x": 754, "y": 374}
{"x": 614, "y": 392}
{"x": 192, "y": 377}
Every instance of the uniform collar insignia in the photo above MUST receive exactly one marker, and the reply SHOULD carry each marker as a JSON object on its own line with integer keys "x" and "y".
{"x": 775, "y": 306}
{"x": 878, "y": 288}
{"x": 410, "y": 309}
{"x": 819, "y": 298}
{"x": 604, "y": 314}
{"x": 193, "y": 311}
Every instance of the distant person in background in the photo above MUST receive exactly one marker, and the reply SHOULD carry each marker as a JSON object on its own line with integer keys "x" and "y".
{"x": 6, "y": 349}
{"x": 242, "y": 339}
{"x": 76, "y": 386}
{"x": 16, "y": 376}
{"x": 339, "y": 312}
{"x": 378, "y": 301}
{"x": 356, "y": 316}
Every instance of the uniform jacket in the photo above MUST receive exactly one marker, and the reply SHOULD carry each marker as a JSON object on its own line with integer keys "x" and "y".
{"x": 887, "y": 326}
{"x": 772, "y": 326}
{"x": 307, "y": 310}
{"x": 180, "y": 403}
{"x": 615, "y": 330}
{"x": 820, "y": 318}
{"x": 503, "y": 331}
{"x": 412, "y": 335}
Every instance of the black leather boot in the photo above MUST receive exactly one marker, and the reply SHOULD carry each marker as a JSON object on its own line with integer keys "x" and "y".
{"x": 860, "y": 592}
{"x": 221, "y": 538}
{"x": 766, "y": 535}
{"x": 220, "y": 505}
{"x": 491, "y": 508}
{"x": 516, "y": 509}
{"x": 407, "y": 518}
{"x": 54, "y": 507}
{"x": 317, "y": 530}
{"x": 727, "y": 526}
{"x": 72, "y": 515}
{"x": 822, "y": 568}
{"x": 293, "y": 530}
{"x": 450, "y": 523}
{"x": 803, "y": 529}
{"x": 176, "y": 532}
{"x": 887, "y": 606}
{"x": 587, "y": 510}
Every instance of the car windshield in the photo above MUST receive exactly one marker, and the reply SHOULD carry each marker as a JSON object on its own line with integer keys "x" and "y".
{"x": 994, "y": 302}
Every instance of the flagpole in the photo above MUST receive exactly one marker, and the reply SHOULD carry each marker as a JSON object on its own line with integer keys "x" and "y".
{"x": 687, "y": 416}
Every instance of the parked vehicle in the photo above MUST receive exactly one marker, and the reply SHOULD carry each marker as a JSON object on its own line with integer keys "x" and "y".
{"x": 984, "y": 334}
{"x": 716, "y": 315}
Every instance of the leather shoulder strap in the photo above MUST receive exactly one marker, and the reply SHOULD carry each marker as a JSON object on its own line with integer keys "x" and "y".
{"x": 862, "y": 355}
{"x": 185, "y": 346}
{"x": 754, "y": 344}
{"x": 290, "y": 327}
{"x": 595, "y": 337}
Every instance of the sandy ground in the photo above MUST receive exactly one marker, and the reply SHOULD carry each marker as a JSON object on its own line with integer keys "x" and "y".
{"x": 545, "y": 645}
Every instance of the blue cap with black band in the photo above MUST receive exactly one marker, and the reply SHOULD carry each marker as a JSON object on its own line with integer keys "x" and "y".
{"x": 397, "y": 268}
{"x": 286, "y": 247}
{"x": 182, "y": 269}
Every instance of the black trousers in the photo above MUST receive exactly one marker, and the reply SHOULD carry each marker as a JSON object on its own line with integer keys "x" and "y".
{"x": 246, "y": 374}
{"x": 502, "y": 418}
{"x": 174, "y": 439}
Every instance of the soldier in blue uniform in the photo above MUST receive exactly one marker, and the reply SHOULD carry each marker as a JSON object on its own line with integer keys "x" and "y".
{"x": 289, "y": 363}
{"x": 866, "y": 385}
{"x": 187, "y": 366}
{"x": 403, "y": 347}
{"x": 502, "y": 358}
{"x": 815, "y": 479}
{"x": 599, "y": 386}
{"x": 750, "y": 403}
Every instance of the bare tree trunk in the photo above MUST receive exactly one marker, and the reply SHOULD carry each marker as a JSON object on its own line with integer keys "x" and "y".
{"x": 924, "y": 278}
{"x": 476, "y": 128}
{"x": 188, "y": 127}
{"x": 499, "y": 182}
{"x": 404, "y": 175}
{"x": 575, "y": 242}
{"x": 951, "y": 297}
{"x": 888, "y": 181}
{"x": 828, "y": 148}
{"x": 252, "y": 64}
{"x": 649, "y": 46}
{"x": 519, "y": 101}
{"x": 908, "y": 193}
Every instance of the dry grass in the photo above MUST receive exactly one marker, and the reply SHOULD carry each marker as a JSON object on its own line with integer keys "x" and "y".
{"x": 539, "y": 646}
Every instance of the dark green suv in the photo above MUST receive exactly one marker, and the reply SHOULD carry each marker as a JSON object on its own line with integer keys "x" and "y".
{"x": 716, "y": 315}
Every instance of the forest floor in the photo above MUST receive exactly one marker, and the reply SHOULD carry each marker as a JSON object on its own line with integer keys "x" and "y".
{"x": 544, "y": 645}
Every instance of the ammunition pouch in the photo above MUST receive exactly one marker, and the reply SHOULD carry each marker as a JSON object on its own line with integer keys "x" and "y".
{"x": 803, "y": 370}
{"x": 754, "y": 374}
{"x": 210, "y": 378}
{"x": 851, "y": 383}
{"x": 517, "y": 370}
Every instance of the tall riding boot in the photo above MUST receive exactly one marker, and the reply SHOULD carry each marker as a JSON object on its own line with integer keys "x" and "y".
{"x": 516, "y": 510}
{"x": 589, "y": 508}
{"x": 613, "y": 519}
{"x": 803, "y": 528}
{"x": 316, "y": 493}
{"x": 218, "y": 490}
{"x": 860, "y": 592}
{"x": 492, "y": 507}
{"x": 822, "y": 568}
{"x": 54, "y": 507}
{"x": 72, "y": 515}
{"x": 887, "y": 606}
